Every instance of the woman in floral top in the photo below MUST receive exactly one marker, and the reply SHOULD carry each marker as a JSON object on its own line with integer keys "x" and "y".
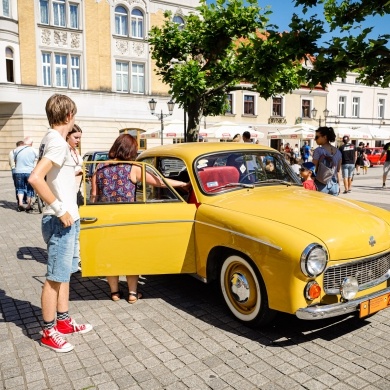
{"x": 116, "y": 182}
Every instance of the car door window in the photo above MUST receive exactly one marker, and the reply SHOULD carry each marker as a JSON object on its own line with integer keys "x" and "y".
{"x": 118, "y": 188}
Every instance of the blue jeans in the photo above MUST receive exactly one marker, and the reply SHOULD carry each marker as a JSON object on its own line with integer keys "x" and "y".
{"x": 63, "y": 248}
{"x": 22, "y": 185}
{"x": 332, "y": 188}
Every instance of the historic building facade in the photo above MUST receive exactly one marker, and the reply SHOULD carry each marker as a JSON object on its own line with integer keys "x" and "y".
{"x": 94, "y": 51}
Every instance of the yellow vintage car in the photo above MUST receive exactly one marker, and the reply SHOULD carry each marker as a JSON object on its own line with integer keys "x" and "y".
{"x": 249, "y": 225}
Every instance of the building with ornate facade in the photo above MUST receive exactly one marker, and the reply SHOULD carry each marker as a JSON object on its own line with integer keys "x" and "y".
{"x": 94, "y": 51}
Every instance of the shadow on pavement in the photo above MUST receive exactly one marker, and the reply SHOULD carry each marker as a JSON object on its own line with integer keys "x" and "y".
{"x": 203, "y": 302}
{"x": 22, "y": 313}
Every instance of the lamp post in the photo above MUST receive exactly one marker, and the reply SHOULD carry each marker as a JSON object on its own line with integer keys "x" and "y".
{"x": 152, "y": 105}
{"x": 314, "y": 114}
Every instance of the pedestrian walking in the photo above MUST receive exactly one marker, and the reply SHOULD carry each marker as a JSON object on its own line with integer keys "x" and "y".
{"x": 386, "y": 165}
{"x": 60, "y": 223}
{"x": 25, "y": 158}
{"x": 348, "y": 160}
{"x": 11, "y": 161}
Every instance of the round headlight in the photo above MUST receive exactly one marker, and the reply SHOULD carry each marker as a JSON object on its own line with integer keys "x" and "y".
{"x": 313, "y": 260}
{"x": 349, "y": 287}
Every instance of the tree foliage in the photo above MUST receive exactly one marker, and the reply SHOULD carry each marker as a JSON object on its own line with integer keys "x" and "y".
{"x": 228, "y": 45}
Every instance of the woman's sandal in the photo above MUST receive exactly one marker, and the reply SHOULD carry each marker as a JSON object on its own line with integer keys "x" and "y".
{"x": 116, "y": 296}
{"x": 135, "y": 295}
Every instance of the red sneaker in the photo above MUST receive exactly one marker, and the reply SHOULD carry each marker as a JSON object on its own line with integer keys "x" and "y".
{"x": 53, "y": 340}
{"x": 69, "y": 326}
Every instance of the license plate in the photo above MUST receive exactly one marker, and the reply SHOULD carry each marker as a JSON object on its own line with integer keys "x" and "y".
{"x": 373, "y": 305}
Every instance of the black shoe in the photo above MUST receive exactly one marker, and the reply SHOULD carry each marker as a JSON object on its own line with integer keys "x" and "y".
{"x": 21, "y": 208}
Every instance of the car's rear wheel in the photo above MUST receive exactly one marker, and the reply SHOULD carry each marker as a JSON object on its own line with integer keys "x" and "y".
{"x": 244, "y": 291}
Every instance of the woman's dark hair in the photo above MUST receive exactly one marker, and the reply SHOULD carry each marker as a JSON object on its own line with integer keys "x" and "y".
{"x": 327, "y": 132}
{"x": 124, "y": 148}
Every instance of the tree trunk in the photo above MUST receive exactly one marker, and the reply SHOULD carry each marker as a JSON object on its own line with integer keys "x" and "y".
{"x": 194, "y": 113}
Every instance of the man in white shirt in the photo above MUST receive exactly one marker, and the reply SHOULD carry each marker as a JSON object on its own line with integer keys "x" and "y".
{"x": 25, "y": 158}
{"x": 60, "y": 223}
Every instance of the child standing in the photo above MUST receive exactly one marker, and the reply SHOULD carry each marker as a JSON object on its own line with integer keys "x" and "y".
{"x": 307, "y": 173}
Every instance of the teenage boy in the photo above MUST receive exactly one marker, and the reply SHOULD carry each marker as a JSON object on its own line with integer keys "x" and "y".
{"x": 60, "y": 223}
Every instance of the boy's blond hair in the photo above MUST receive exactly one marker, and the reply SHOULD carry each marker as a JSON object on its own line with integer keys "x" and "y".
{"x": 58, "y": 107}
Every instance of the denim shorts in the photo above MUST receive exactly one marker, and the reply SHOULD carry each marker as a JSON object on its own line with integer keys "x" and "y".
{"x": 347, "y": 170}
{"x": 22, "y": 185}
{"x": 386, "y": 168}
{"x": 332, "y": 188}
{"x": 63, "y": 248}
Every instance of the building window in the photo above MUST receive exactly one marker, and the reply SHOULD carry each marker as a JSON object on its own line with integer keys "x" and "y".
{"x": 355, "y": 107}
{"x": 277, "y": 106}
{"x": 138, "y": 78}
{"x": 306, "y": 108}
{"x": 75, "y": 72}
{"x": 342, "y": 104}
{"x": 74, "y": 16}
{"x": 9, "y": 64}
{"x": 121, "y": 21}
{"x": 122, "y": 76}
{"x": 46, "y": 69}
{"x": 44, "y": 10}
{"x": 6, "y": 10}
{"x": 61, "y": 70}
{"x": 59, "y": 13}
{"x": 229, "y": 98}
{"x": 66, "y": 73}
{"x": 381, "y": 108}
{"x": 137, "y": 23}
{"x": 249, "y": 104}
{"x": 179, "y": 21}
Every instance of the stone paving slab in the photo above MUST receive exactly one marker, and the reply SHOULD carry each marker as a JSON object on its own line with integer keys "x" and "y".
{"x": 180, "y": 336}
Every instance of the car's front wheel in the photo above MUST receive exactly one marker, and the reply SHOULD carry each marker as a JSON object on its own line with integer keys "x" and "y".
{"x": 244, "y": 291}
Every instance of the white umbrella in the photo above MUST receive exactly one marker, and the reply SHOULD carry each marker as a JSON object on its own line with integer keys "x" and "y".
{"x": 351, "y": 133}
{"x": 227, "y": 130}
{"x": 172, "y": 129}
{"x": 299, "y": 131}
{"x": 375, "y": 132}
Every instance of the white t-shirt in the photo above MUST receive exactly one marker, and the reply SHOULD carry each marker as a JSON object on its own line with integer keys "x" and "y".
{"x": 61, "y": 178}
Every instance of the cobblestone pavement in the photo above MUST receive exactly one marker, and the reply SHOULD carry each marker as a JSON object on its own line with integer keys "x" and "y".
{"x": 179, "y": 336}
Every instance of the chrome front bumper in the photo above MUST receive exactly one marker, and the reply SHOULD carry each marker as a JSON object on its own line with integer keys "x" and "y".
{"x": 319, "y": 312}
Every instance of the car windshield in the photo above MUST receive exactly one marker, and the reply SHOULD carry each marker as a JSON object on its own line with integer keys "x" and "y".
{"x": 229, "y": 171}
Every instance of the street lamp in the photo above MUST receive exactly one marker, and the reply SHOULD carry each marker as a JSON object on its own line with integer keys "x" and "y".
{"x": 314, "y": 114}
{"x": 152, "y": 105}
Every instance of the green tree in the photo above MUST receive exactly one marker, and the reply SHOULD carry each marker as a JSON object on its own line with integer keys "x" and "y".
{"x": 350, "y": 48}
{"x": 229, "y": 45}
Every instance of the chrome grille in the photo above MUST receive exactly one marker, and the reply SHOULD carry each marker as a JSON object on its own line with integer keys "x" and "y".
{"x": 368, "y": 272}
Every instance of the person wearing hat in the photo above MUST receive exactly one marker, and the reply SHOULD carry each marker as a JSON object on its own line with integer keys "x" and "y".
{"x": 307, "y": 172}
{"x": 348, "y": 160}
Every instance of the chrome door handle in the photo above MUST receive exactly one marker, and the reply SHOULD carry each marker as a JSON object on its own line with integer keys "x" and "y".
{"x": 88, "y": 219}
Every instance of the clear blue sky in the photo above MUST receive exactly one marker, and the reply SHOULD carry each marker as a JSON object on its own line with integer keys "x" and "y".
{"x": 282, "y": 11}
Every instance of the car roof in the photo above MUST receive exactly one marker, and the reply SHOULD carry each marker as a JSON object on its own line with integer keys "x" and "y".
{"x": 191, "y": 150}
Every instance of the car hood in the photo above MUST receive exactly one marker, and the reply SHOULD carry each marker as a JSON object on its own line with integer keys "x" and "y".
{"x": 347, "y": 229}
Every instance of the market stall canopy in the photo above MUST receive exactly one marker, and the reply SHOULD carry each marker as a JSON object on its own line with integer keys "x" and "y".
{"x": 377, "y": 133}
{"x": 299, "y": 131}
{"x": 227, "y": 130}
{"x": 351, "y": 133}
{"x": 172, "y": 129}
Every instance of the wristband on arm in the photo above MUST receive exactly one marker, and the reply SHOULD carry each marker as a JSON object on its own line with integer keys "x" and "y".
{"x": 57, "y": 208}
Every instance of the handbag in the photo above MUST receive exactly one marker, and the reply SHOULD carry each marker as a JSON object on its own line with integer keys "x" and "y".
{"x": 80, "y": 196}
{"x": 325, "y": 169}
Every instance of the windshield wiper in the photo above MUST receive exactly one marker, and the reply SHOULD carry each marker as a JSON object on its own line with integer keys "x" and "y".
{"x": 287, "y": 183}
{"x": 242, "y": 185}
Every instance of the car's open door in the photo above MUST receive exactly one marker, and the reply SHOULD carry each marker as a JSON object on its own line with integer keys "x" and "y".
{"x": 153, "y": 235}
